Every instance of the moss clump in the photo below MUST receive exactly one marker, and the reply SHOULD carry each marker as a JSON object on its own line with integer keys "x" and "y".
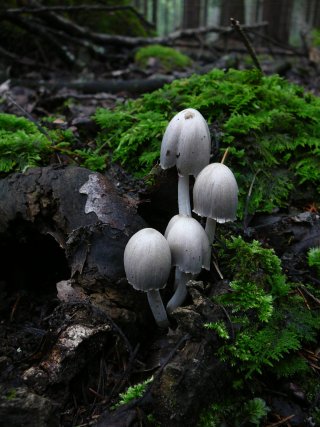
{"x": 238, "y": 411}
{"x": 133, "y": 392}
{"x": 314, "y": 258}
{"x": 271, "y": 126}
{"x": 270, "y": 320}
{"x": 170, "y": 59}
{"x": 23, "y": 144}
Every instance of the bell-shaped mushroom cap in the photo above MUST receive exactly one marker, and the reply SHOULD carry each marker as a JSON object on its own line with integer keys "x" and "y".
{"x": 189, "y": 244}
{"x": 215, "y": 193}
{"x": 147, "y": 260}
{"x": 186, "y": 143}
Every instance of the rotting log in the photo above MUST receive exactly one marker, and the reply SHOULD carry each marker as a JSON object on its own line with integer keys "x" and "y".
{"x": 92, "y": 223}
{"x": 58, "y": 201}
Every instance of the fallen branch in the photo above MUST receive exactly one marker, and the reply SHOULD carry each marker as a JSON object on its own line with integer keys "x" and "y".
{"x": 236, "y": 25}
{"x": 89, "y": 87}
{"x": 79, "y": 8}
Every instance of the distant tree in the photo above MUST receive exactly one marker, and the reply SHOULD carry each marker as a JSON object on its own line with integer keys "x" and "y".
{"x": 278, "y": 15}
{"x": 232, "y": 9}
{"x": 137, "y": 4}
{"x": 312, "y": 13}
{"x": 191, "y": 13}
{"x": 154, "y": 11}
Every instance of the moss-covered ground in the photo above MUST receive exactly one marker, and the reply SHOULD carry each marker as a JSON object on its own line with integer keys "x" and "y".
{"x": 271, "y": 129}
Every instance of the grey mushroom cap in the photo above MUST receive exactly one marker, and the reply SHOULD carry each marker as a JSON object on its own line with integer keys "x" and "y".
{"x": 189, "y": 244}
{"x": 215, "y": 193}
{"x": 147, "y": 260}
{"x": 186, "y": 143}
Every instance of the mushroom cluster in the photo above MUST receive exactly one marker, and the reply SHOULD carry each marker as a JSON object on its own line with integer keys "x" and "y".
{"x": 186, "y": 245}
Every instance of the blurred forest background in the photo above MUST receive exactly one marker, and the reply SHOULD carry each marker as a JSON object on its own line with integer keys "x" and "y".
{"x": 76, "y": 27}
{"x": 284, "y": 20}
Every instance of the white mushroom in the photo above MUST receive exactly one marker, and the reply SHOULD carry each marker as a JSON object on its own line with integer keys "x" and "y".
{"x": 190, "y": 251}
{"x": 147, "y": 263}
{"x": 186, "y": 143}
{"x": 215, "y": 196}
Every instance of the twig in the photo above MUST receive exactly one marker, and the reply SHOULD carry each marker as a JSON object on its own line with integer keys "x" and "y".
{"x": 140, "y": 400}
{"x": 121, "y": 382}
{"x": 236, "y": 25}
{"x": 26, "y": 114}
{"x": 14, "y": 308}
{"x": 282, "y": 421}
{"x": 225, "y": 155}
{"x": 246, "y": 208}
{"x": 229, "y": 319}
{"x": 304, "y": 298}
{"x": 302, "y": 288}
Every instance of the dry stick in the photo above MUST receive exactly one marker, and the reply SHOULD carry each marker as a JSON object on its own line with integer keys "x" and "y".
{"x": 26, "y": 114}
{"x": 139, "y": 401}
{"x": 309, "y": 294}
{"x": 224, "y": 156}
{"x": 283, "y": 421}
{"x": 236, "y": 25}
{"x": 246, "y": 208}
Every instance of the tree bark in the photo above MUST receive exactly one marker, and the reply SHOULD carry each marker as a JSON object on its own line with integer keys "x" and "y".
{"x": 278, "y": 15}
{"x": 232, "y": 9}
{"x": 191, "y": 14}
{"x": 58, "y": 201}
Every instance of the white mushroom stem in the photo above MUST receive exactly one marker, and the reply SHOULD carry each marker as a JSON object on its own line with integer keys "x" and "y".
{"x": 210, "y": 229}
{"x": 157, "y": 308}
{"x": 184, "y": 196}
{"x": 181, "y": 280}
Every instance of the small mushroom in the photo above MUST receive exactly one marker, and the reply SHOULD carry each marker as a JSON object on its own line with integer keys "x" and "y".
{"x": 186, "y": 143}
{"x": 190, "y": 251}
{"x": 215, "y": 196}
{"x": 147, "y": 263}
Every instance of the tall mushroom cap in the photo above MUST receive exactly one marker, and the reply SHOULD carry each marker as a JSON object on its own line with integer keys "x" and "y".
{"x": 186, "y": 143}
{"x": 189, "y": 244}
{"x": 215, "y": 193}
{"x": 147, "y": 260}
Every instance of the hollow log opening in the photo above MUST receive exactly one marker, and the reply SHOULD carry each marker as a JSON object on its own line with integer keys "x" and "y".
{"x": 31, "y": 261}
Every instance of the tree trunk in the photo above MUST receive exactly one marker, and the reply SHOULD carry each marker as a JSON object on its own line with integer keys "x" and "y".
{"x": 154, "y": 12}
{"x": 278, "y": 15}
{"x": 232, "y": 9}
{"x": 145, "y": 8}
{"x": 204, "y": 16}
{"x": 316, "y": 19}
{"x": 191, "y": 13}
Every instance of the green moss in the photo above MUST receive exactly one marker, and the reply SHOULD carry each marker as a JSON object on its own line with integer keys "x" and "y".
{"x": 270, "y": 321}
{"x": 170, "y": 59}
{"x": 272, "y": 129}
{"x": 314, "y": 258}
{"x": 133, "y": 392}
{"x": 315, "y": 37}
{"x": 23, "y": 144}
{"x": 239, "y": 412}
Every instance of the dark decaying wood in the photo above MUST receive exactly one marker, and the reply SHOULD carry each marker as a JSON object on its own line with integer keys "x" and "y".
{"x": 58, "y": 201}
{"x": 92, "y": 223}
